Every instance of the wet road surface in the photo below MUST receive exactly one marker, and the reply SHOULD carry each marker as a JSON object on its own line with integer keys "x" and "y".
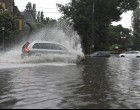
{"x": 100, "y": 83}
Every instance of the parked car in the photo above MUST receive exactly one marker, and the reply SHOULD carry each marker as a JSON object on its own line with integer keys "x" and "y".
{"x": 38, "y": 48}
{"x": 130, "y": 54}
{"x": 101, "y": 54}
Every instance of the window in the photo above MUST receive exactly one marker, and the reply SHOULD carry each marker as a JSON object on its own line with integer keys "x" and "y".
{"x": 134, "y": 52}
{"x": 48, "y": 46}
{"x": 38, "y": 46}
{"x": 59, "y": 47}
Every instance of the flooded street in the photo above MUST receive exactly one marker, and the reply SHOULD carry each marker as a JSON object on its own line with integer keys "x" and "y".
{"x": 99, "y": 83}
{"x": 46, "y": 48}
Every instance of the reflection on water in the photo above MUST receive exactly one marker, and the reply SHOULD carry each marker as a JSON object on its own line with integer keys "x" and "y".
{"x": 101, "y": 83}
{"x": 125, "y": 82}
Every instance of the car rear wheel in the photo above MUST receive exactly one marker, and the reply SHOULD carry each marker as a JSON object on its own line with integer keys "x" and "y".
{"x": 122, "y": 56}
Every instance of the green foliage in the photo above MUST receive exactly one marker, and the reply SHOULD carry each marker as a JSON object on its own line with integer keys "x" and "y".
{"x": 115, "y": 47}
{"x": 136, "y": 28}
{"x": 91, "y": 19}
{"x": 11, "y": 27}
{"x": 119, "y": 35}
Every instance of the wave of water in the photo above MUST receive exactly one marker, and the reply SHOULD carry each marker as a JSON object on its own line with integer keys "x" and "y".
{"x": 73, "y": 44}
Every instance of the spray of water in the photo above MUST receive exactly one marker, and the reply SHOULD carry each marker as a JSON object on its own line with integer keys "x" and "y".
{"x": 72, "y": 43}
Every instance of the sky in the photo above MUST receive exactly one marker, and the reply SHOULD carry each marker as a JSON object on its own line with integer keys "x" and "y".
{"x": 126, "y": 20}
{"x": 47, "y": 6}
{"x": 50, "y": 10}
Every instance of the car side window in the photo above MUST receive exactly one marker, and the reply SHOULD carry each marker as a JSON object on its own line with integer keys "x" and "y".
{"x": 41, "y": 46}
{"x": 55, "y": 47}
{"x": 59, "y": 47}
{"x": 135, "y": 52}
{"x": 38, "y": 46}
{"x": 48, "y": 46}
{"x": 128, "y": 52}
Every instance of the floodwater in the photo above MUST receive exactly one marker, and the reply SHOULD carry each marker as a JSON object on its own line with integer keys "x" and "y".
{"x": 99, "y": 83}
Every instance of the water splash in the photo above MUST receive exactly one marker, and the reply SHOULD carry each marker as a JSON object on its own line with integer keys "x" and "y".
{"x": 73, "y": 43}
{"x": 48, "y": 34}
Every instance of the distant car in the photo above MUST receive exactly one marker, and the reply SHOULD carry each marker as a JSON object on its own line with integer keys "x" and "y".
{"x": 38, "y": 48}
{"x": 130, "y": 54}
{"x": 101, "y": 54}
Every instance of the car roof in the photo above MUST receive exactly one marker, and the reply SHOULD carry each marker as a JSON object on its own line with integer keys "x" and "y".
{"x": 133, "y": 51}
{"x": 101, "y": 52}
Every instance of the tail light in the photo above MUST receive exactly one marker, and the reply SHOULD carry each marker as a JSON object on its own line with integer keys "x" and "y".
{"x": 25, "y": 48}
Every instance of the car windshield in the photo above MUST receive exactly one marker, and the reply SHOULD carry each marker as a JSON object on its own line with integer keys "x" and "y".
{"x": 132, "y": 52}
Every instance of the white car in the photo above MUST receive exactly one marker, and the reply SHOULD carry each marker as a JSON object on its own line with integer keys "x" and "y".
{"x": 130, "y": 54}
{"x": 38, "y": 48}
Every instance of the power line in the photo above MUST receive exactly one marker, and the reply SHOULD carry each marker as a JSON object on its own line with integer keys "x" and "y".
{"x": 42, "y": 8}
{"x": 51, "y": 12}
{"x": 46, "y": 8}
{"x": 37, "y": 7}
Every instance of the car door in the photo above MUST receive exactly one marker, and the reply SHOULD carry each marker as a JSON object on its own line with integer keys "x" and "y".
{"x": 128, "y": 54}
{"x": 38, "y": 49}
{"x": 135, "y": 54}
{"x": 52, "y": 48}
{"x": 132, "y": 54}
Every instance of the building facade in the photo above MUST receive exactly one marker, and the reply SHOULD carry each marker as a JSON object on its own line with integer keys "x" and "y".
{"x": 7, "y": 5}
{"x": 22, "y": 18}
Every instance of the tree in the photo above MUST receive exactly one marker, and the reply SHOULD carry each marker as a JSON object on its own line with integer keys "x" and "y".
{"x": 136, "y": 28}
{"x": 80, "y": 12}
{"x": 34, "y": 11}
{"x": 11, "y": 28}
{"x": 29, "y": 6}
{"x": 42, "y": 17}
{"x": 119, "y": 36}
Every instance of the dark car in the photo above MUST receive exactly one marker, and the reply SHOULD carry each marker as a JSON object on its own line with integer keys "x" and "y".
{"x": 101, "y": 54}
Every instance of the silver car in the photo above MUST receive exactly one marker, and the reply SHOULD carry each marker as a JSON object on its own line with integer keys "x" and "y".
{"x": 38, "y": 48}
{"x": 130, "y": 54}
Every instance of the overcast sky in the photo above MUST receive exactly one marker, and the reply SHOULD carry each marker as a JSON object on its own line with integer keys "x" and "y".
{"x": 50, "y": 10}
{"x": 47, "y": 6}
{"x": 126, "y": 20}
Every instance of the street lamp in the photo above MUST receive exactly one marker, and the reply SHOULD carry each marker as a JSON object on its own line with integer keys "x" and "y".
{"x": 123, "y": 41}
{"x": 3, "y": 43}
{"x": 123, "y": 37}
{"x": 91, "y": 48}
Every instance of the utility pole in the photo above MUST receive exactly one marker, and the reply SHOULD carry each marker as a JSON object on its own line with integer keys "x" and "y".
{"x": 3, "y": 42}
{"x": 93, "y": 28}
